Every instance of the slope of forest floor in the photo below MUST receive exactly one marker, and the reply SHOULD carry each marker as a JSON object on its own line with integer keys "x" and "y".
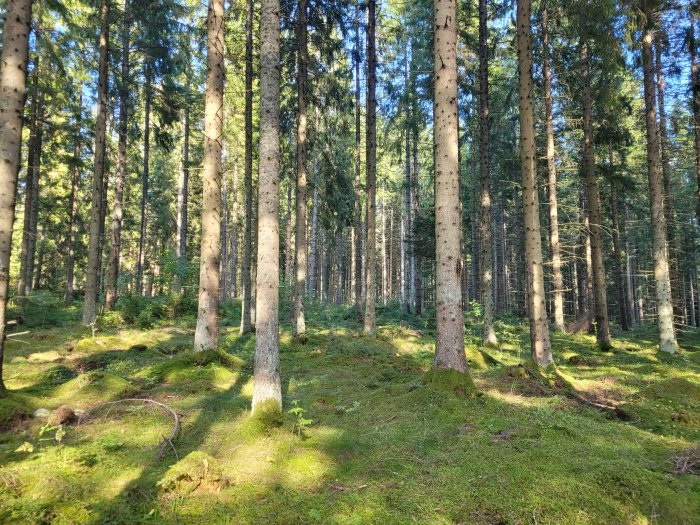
{"x": 363, "y": 439}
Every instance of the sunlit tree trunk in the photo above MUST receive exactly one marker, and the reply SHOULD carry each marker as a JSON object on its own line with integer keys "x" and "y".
{"x": 359, "y": 232}
{"x": 695, "y": 85}
{"x": 206, "y": 335}
{"x": 13, "y": 78}
{"x": 117, "y": 210}
{"x": 141, "y": 261}
{"x": 664, "y": 305}
{"x": 449, "y": 349}
{"x": 182, "y": 199}
{"x": 539, "y": 331}
{"x": 371, "y": 170}
{"x": 267, "y": 382}
{"x": 246, "y": 262}
{"x": 91, "y": 287}
{"x": 235, "y": 227}
{"x": 73, "y": 206}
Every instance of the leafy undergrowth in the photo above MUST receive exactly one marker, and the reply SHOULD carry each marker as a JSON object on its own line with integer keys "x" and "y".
{"x": 365, "y": 438}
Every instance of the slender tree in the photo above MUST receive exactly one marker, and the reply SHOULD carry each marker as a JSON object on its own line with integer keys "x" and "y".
{"x": 359, "y": 231}
{"x": 73, "y": 204}
{"x": 145, "y": 172}
{"x": 695, "y": 87}
{"x": 299, "y": 325}
{"x": 371, "y": 170}
{"x": 664, "y": 304}
{"x": 91, "y": 287}
{"x": 486, "y": 245}
{"x": 206, "y": 335}
{"x": 449, "y": 348}
{"x": 539, "y": 331}
{"x": 267, "y": 383}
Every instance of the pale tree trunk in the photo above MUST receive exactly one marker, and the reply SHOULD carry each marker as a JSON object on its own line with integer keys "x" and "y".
{"x": 91, "y": 287}
{"x": 359, "y": 232}
{"x": 594, "y": 214}
{"x": 299, "y": 323}
{"x": 486, "y": 244}
{"x": 288, "y": 255}
{"x": 246, "y": 263}
{"x": 418, "y": 281}
{"x": 449, "y": 347}
{"x": 314, "y": 244}
{"x": 223, "y": 233}
{"x": 664, "y": 305}
{"x": 539, "y": 331}
{"x": 141, "y": 261}
{"x": 555, "y": 248}
{"x": 628, "y": 267}
{"x": 371, "y": 170}
{"x": 13, "y": 78}
{"x": 206, "y": 335}
{"x": 73, "y": 206}
{"x": 117, "y": 210}
{"x": 406, "y": 263}
{"x": 182, "y": 198}
{"x": 676, "y": 285}
{"x": 267, "y": 385}
{"x": 385, "y": 274}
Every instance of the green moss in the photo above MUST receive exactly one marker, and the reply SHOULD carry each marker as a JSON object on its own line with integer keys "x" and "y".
{"x": 449, "y": 380}
{"x": 197, "y": 472}
{"x": 264, "y": 419}
{"x": 13, "y": 407}
{"x": 93, "y": 387}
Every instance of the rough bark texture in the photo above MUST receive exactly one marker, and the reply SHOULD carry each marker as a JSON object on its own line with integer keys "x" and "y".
{"x": 539, "y": 331}
{"x": 206, "y": 335}
{"x": 359, "y": 231}
{"x": 91, "y": 286}
{"x": 267, "y": 383}
{"x": 593, "y": 199}
{"x": 617, "y": 252}
{"x": 486, "y": 244}
{"x": 117, "y": 210}
{"x": 371, "y": 170}
{"x": 246, "y": 263}
{"x": 235, "y": 228}
{"x": 299, "y": 324}
{"x": 555, "y": 248}
{"x": 449, "y": 348}
{"x": 664, "y": 305}
{"x": 13, "y": 78}
{"x": 73, "y": 208}
{"x": 695, "y": 84}
{"x": 182, "y": 199}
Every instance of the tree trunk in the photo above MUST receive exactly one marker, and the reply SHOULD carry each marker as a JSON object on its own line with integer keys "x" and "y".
{"x": 299, "y": 325}
{"x": 359, "y": 232}
{"x": 267, "y": 384}
{"x": 246, "y": 281}
{"x": 235, "y": 226}
{"x": 539, "y": 331}
{"x": 182, "y": 198}
{"x": 91, "y": 287}
{"x": 695, "y": 83}
{"x": 206, "y": 335}
{"x": 13, "y": 78}
{"x": 385, "y": 268}
{"x": 223, "y": 234}
{"x": 141, "y": 262}
{"x": 288, "y": 250}
{"x": 617, "y": 251}
{"x": 664, "y": 305}
{"x": 593, "y": 198}
{"x": 418, "y": 281}
{"x": 449, "y": 348}
{"x": 117, "y": 210}
{"x": 371, "y": 170}
{"x": 555, "y": 248}
{"x": 73, "y": 206}
{"x": 313, "y": 255}
{"x": 486, "y": 244}
{"x": 676, "y": 285}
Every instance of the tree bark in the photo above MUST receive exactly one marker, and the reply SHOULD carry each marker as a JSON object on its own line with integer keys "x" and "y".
{"x": 617, "y": 251}
{"x": 486, "y": 244}
{"x": 299, "y": 324}
{"x": 555, "y": 248}
{"x": 117, "y": 210}
{"x": 539, "y": 331}
{"x": 182, "y": 199}
{"x": 695, "y": 84}
{"x": 141, "y": 262}
{"x": 246, "y": 263}
{"x": 235, "y": 227}
{"x": 13, "y": 78}
{"x": 449, "y": 348}
{"x": 206, "y": 335}
{"x": 91, "y": 287}
{"x": 73, "y": 206}
{"x": 267, "y": 383}
{"x": 664, "y": 305}
{"x": 593, "y": 199}
{"x": 359, "y": 232}
{"x": 371, "y": 170}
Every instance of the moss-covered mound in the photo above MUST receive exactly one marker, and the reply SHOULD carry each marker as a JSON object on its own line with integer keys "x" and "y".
{"x": 12, "y": 409}
{"x": 197, "y": 472}
{"x": 93, "y": 387}
{"x": 452, "y": 381}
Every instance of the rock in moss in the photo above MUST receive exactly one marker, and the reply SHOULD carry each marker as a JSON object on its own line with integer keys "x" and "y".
{"x": 453, "y": 381}
{"x": 195, "y": 473}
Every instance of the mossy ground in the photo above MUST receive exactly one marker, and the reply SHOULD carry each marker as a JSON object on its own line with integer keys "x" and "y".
{"x": 382, "y": 445}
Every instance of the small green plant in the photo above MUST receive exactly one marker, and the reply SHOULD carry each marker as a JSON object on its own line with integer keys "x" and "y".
{"x": 301, "y": 422}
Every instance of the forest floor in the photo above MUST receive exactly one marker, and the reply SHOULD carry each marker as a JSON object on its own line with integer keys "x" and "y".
{"x": 363, "y": 439}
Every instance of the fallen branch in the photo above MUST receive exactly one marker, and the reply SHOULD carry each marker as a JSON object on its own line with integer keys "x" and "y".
{"x": 166, "y": 441}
